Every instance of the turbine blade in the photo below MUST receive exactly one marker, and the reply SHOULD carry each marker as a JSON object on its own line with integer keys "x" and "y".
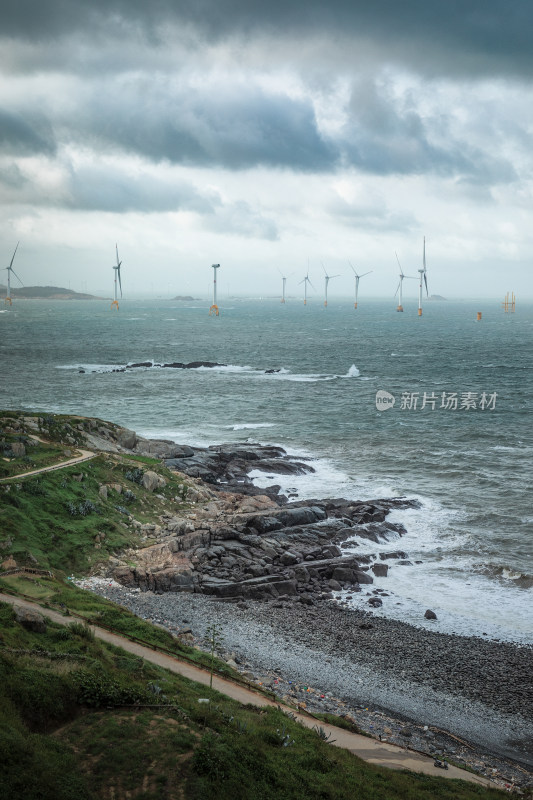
{"x": 13, "y": 257}
{"x": 426, "y": 282}
{"x": 397, "y": 290}
{"x": 119, "y": 281}
{"x": 351, "y": 265}
{"x": 16, "y": 276}
{"x": 366, "y": 273}
{"x": 311, "y": 285}
{"x": 398, "y": 260}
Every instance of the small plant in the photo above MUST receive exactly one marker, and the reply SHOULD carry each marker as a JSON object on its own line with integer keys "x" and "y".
{"x": 284, "y": 737}
{"x": 135, "y": 475}
{"x": 34, "y": 488}
{"x": 82, "y": 509}
{"x": 129, "y": 496}
{"x": 324, "y": 735}
{"x": 215, "y": 639}
{"x": 241, "y": 727}
{"x": 84, "y": 631}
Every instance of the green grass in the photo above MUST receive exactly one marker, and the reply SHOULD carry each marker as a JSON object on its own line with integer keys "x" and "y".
{"x": 65, "y": 733}
{"x": 69, "y": 599}
{"x": 66, "y": 525}
{"x": 38, "y": 455}
{"x": 76, "y": 721}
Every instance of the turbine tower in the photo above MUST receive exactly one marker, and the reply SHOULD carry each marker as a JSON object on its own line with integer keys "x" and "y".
{"x": 423, "y": 277}
{"x": 9, "y": 271}
{"x": 357, "y": 279}
{"x": 306, "y": 281}
{"x": 399, "y": 288}
{"x": 214, "y": 307}
{"x": 326, "y": 281}
{"x": 114, "y": 304}
{"x": 284, "y": 280}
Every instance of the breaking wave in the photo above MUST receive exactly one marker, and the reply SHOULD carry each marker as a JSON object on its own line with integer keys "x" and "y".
{"x": 503, "y": 573}
{"x": 274, "y": 373}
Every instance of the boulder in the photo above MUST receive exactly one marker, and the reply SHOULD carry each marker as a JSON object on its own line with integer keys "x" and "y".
{"x": 380, "y": 570}
{"x": 152, "y": 481}
{"x": 126, "y": 438}
{"x": 343, "y": 575}
{"x": 430, "y": 614}
{"x": 30, "y": 619}
{"x": 18, "y": 449}
{"x": 375, "y": 602}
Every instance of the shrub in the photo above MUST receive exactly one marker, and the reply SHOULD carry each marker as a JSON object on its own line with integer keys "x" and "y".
{"x": 135, "y": 475}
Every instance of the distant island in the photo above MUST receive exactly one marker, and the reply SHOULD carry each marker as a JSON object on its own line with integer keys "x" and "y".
{"x": 47, "y": 293}
{"x": 184, "y": 297}
{"x": 436, "y": 297}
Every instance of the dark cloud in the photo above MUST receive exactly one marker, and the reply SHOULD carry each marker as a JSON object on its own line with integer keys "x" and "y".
{"x": 106, "y": 188}
{"x": 25, "y": 134}
{"x": 11, "y": 177}
{"x": 111, "y": 189}
{"x": 479, "y": 36}
{"x": 385, "y": 135}
{"x": 235, "y": 127}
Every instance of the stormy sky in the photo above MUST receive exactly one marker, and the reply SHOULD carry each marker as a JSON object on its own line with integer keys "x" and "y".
{"x": 266, "y": 137}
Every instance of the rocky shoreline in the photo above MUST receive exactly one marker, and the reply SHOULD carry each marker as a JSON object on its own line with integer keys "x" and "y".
{"x": 269, "y": 570}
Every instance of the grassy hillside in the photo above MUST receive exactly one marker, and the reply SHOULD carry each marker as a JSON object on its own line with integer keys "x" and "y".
{"x": 71, "y": 519}
{"x": 81, "y": 719}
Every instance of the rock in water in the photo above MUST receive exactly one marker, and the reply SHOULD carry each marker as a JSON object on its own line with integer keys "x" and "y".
{"x": 430, "y": 614}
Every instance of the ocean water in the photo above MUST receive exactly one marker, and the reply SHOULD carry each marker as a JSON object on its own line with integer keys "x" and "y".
{"x": 471, "y": 543}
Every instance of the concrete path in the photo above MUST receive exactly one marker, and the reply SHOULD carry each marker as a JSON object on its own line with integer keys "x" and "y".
{"x": 371, "y": 750}
{"x": 85, "y": 455}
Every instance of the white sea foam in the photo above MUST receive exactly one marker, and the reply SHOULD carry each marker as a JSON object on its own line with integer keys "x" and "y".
{"x": 353, "y": 372}
{"x": 464, "y": 603}
{"x": 244, "y": 426}
{"x": 100, "y": 368}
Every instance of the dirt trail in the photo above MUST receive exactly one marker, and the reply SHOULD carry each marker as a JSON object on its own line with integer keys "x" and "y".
{"x": 379, "y": 753}
{"x": 85, "y": 455}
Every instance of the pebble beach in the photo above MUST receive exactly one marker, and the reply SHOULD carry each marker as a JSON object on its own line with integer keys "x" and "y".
{"x": 464, "y": 699}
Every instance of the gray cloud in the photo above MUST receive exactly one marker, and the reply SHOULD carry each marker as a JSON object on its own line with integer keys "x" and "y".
{"x": 240, "y": 219}
{"x": 481, "y": 36}
{"x": 238, "y": 127}
{"x": 25, "y": 134}
{"x": 385, "y": 135}
{"x": 106, "y": 188}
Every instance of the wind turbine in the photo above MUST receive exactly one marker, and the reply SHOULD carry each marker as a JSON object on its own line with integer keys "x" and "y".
{"x": 357, "y": 279}
{"x": 327, "y": 280}
{"x": 284, "y": 279}
{"x": 214, "y": 307}
{"x": 306, "y": 281}
{"x": 399, "y": 288}
{"x": 423, "y": 276}
{"x": 9, "y": 271}
{"x": 114, "y": 304}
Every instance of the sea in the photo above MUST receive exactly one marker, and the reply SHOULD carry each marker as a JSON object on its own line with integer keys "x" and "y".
{"x": 383, "y": 404}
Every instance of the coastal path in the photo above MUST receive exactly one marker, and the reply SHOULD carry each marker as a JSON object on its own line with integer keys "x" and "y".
{"x": 85, "y": 455}
{"x": 382, "y": 754}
